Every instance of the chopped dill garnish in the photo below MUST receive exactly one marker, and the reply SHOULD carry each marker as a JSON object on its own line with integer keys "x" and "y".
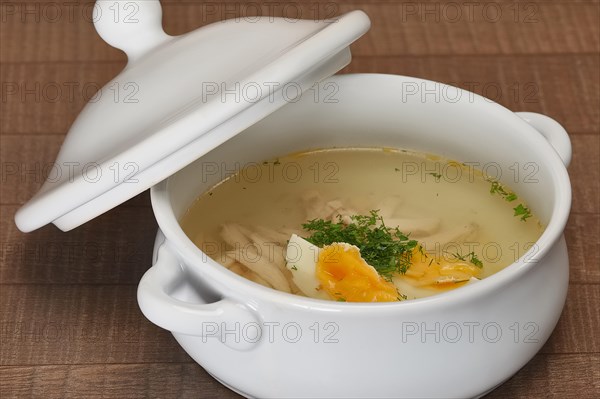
{"x": 470, "y": 257}
{"x": 520, "y": 210}
{"x": 523, "y": 211}
{"x": 497, "y": 188}
{"x": 475, "y": 260}
{"x": 294, "y": 267}
{"x": 387, "y": 249}
{"x": 274, "y": 162}
{"x": 339, "y": 297}
{"x": 436, "y": 175}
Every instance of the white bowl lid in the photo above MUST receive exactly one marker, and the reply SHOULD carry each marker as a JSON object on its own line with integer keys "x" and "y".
{"x": 178, "y": 98}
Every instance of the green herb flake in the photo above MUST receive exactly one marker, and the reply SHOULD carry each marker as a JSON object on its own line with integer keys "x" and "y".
{"x": 388, "y": 250}
{"x": 436, "y": 175}
{"x": 523, "y": 211}
{"x": 470, "y": 257}
{"x": 294, "y": 267}
{"x": 475, "y": 260}
{"x": 499, "y": 189}
{"x": 274, "y": 162}
{"x": 509, "y": 196}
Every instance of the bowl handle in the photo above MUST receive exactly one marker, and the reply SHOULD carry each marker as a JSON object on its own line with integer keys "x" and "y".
{"x": 552, "y": 131}
{"x": 227, "y": 321}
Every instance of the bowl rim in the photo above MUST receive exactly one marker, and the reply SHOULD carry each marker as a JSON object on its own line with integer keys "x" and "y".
{"x": 247, "y": 291}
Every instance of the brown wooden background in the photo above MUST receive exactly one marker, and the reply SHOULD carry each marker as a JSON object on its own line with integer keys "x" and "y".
{"x": 70, "y": 325}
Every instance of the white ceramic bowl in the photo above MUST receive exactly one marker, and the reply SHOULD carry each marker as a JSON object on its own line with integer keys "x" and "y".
{"x": 463, "y": 343}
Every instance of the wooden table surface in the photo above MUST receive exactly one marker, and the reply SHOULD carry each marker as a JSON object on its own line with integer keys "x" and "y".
{"x": 70, "y": 324}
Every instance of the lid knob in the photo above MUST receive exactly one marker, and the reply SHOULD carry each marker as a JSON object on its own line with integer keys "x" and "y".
{"x": 134, "y": 26}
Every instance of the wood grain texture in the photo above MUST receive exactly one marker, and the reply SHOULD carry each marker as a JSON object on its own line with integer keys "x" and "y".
{"x": 582, "y": 234}
{"x": 585, "y": 166}
{"x": 70, "y": 326}
{"x": 169, "y": 380}
{"x": 502, "y": 28}
{"x": 27, "y": 161}
{"x": 79, "y": 324}
{"x": 45, "y": 98}
{"x": 543, "y": 377}
{"x": 578, "y": 319}
{"x": 118, "y": 381}
{"x": 115, "y": 248}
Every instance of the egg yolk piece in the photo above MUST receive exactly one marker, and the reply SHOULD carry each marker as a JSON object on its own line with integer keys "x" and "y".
{"x": 439, "y": 273}
{"x": 345, "y": 276}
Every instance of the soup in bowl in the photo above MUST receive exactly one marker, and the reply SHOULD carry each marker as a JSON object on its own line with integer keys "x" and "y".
{"x": 360, "y": 224}
{"x": 264, "y": 338}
